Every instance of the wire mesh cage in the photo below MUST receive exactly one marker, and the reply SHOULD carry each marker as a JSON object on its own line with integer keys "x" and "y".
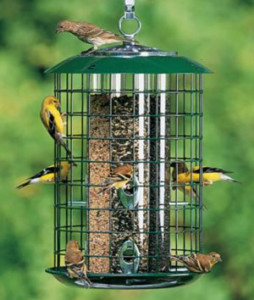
{"x": 139, "y": 109}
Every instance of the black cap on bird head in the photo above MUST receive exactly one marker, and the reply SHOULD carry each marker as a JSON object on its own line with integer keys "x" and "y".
{"x": 180, "y": 165}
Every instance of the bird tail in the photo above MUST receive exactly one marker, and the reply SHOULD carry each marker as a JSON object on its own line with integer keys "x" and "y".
{"x": 60, "y": 141}
{"x": 130, "y": 40}
{"x": 23, "y": 184}
{"x": 69, "y": 153}
{"x": 227, "y": 178}
{"x": 236, "y": 181}
{"x": 107, "y": 185}
{"x": 84, "y": 282}
{"x": 175, "y": 258}
{"x": 103, "y": 190}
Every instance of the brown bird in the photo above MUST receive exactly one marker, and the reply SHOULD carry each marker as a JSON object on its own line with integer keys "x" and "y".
{"x": 89, "y": 33}
{"x": 118, "y": 178}
{"x": 75, "y": 263}
{"x": 198, "y": 263}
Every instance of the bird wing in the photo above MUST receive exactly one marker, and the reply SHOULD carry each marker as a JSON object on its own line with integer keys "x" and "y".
{"x": 196, "y": 169}
{"x": 192, "y": 263}
{"x": 189, "y": 261}
{"x": 105, "y": 34}
{"x": 95, "y": 31}
{"x": 115, "y": 178}
{"x": 48, "y": 170}
{"x": 54, "y": 121}
{"x": 51, "y": 124}
{"x": 204, "y": 262}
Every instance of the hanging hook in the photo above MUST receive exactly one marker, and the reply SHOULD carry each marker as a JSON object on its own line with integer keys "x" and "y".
{"x": 129, "y": 14}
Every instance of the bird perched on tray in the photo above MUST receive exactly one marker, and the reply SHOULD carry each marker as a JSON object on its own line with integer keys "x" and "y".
{"x": 89, "y": 33}
{"x": 182, "y": 175}
{"x": 198, "y": 263}
{"x": 118, "y": 178}
{"x": 75, "y": 263}
{"x": 48, "y": 174}
{"x": 53, "y": 120}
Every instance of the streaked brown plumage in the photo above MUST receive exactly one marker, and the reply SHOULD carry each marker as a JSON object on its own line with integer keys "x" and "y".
{"x": 118, "y": 178}
{"x": 89, "y": 33}
{"x": 75, "y": 263}
{"x": 198, "y": 263}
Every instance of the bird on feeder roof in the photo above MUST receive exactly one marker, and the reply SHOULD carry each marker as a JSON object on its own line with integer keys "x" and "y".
{"x": 89, "y": 33}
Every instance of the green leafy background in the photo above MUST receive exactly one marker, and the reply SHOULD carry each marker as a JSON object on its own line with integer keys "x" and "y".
{"x": 218, "y": 34}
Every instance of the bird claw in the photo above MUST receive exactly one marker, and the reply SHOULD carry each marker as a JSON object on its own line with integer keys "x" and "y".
{"x": 88, "y": 52}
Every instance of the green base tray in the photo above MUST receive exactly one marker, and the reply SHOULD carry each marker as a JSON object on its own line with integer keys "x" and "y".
{"x": 126, "y": 281}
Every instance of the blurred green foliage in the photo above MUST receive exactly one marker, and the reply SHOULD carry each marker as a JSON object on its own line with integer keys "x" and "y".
{"x": 218, "y": 34}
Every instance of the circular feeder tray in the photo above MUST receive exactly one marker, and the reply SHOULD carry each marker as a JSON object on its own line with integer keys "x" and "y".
{"x": 127, "y": 281}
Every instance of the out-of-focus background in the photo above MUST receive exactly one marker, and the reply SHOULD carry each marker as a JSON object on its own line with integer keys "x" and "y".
{"x": 218, "y": 34}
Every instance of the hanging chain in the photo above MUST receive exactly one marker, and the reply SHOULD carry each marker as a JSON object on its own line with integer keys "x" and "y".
{"x": 129, "y": 14}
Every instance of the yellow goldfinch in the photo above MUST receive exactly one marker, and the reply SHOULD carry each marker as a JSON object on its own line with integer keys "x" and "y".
{"x": 182, "y": 175}
{"x": 75, "y": 263}
{"x": 181, "y": 168}
{"x": 48, "y": 174}
{"x": 198, "y": 263}
{"x": 53, "y": 120}
{"x": 118, "y": 178}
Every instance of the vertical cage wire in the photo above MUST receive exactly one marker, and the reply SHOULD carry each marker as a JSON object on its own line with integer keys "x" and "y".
{"x": 148, "y": 121}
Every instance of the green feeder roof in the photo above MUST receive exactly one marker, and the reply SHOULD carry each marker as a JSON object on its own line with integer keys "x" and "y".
{"x": 129, "y": 59}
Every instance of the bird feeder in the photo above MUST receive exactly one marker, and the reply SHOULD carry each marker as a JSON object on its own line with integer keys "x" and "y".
{"x": 136, "y": 105}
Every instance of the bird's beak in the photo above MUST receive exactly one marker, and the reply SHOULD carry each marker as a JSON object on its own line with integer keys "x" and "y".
{"x": 220, "y": 260}
{"x": 58, "y": 30}
{"x": 59, "y": 104}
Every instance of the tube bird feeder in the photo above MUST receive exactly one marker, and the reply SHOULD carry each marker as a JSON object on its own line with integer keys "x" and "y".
{"x": 138, "y": 106}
